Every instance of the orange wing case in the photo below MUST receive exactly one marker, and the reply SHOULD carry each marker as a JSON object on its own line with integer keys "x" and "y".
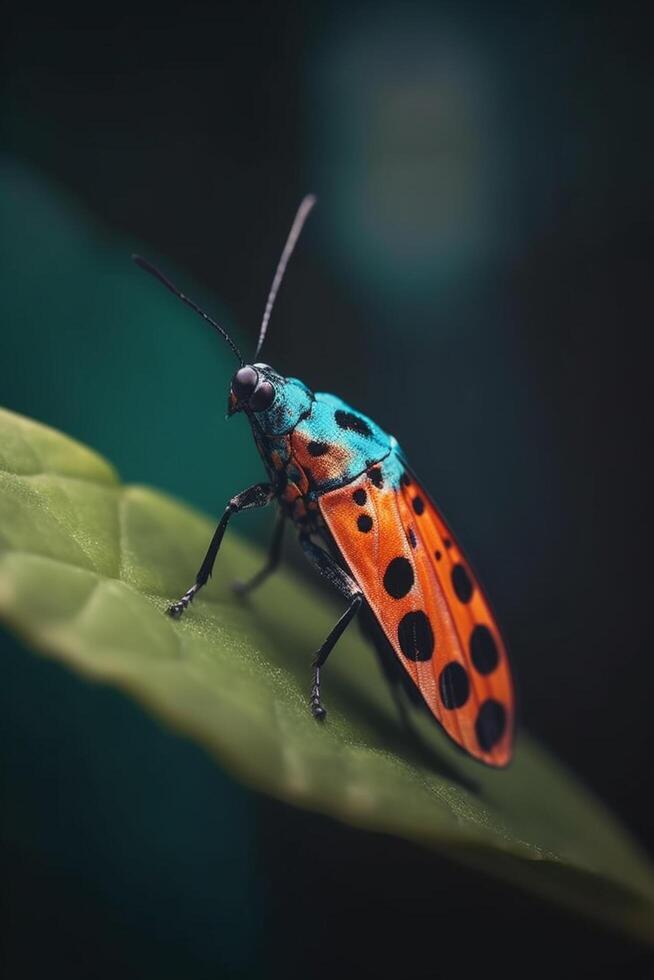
{"x": 431, "y": 608}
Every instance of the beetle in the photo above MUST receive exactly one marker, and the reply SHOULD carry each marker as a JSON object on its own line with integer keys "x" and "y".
{"x": 372, "y": 531}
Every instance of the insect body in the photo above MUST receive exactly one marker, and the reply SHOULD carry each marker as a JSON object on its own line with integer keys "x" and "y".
{"x": 372, "y": 531}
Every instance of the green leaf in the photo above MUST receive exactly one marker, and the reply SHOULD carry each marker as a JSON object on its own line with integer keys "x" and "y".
{"x": 87, "y": 567}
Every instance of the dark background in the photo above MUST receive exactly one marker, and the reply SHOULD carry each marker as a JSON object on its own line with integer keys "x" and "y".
{"x": 477, "y": 277}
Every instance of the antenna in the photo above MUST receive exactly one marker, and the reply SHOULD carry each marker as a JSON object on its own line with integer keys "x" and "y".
{"x": 144, "y": 264}
{"x": 293, "y": 235}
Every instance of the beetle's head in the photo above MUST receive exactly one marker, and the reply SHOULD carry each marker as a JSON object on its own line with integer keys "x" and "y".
{"x": 272, "y": 402}
{"x": 252, "y": 389}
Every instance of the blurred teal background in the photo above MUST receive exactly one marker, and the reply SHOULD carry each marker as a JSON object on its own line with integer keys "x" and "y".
{"x": 477, "y": 277}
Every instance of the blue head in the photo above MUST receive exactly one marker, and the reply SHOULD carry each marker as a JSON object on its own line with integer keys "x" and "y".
{"x": 273, "y": 404}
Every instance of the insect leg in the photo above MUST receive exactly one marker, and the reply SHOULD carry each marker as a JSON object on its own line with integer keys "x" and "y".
{"x": 256, "y": 496}
{"x": 243, "y": 588}
{"x": 346, "y": 585}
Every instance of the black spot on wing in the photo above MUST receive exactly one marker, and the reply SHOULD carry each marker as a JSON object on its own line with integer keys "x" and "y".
{"x": 462, "y": 584}
{"x": 415, "y": 636}
{"x": 490, "y": 724}
{"x": 418, "y": 505}
{"x": 405, "y": 479}
{"x": 317, "y": 448}
{"x": 483, "y": 650}
{"x": 375, "y": 476}
{"x": 360, "y": 496}
{"x": 398, "y": 577}
{"x": 364, "y": 523}
{"x": 348, "y": 420}
{"x": 454, "y": 685}
{"x": 410, "y": 533}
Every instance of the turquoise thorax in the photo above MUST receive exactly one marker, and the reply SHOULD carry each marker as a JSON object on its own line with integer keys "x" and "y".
{"x": 321, "y": 435}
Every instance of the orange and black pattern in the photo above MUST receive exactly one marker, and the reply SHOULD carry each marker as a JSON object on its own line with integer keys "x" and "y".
{"x": 430, "y": 606}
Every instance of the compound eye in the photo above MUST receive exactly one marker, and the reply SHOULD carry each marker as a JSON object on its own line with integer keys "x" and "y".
{"x": 263, "y": 397}
{"x": 244, "y": 382}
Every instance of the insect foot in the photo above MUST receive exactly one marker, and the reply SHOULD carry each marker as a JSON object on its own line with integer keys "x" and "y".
{"x": 175, "y": 609}
{"x": 317, "y": 710}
